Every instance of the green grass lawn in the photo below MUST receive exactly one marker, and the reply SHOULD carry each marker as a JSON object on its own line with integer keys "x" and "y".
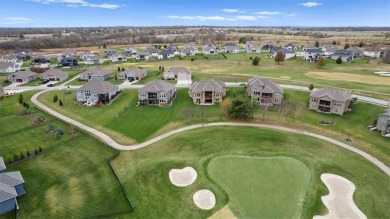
{"x": 261, "y": 187}
{"x": 144, "y": 173}
{"x": 71, "y": 180}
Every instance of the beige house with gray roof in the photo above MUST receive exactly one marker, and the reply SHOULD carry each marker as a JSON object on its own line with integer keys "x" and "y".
{"x": 181, "y": 74}
{"x": 207, "y": 92}
{"x": 54, "y": 75}
{"x": 383, "y": 123}
{"x": 95, "y": 74}
{"x": 96, "y": 91}
{"x": 264, "y": 91}
{"x": 330, "y": 100}
{"x": 22, "y": 76}
{"x": 133, "y": 74}
{"x": 158, "y": 92}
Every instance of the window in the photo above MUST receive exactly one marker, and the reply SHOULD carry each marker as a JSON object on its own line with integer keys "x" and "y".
{"x": 162, "y": 94}
{"x": 87, "y": 93}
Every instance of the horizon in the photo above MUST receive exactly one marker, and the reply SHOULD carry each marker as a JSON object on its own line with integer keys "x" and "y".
{"x": 170, "y": 13}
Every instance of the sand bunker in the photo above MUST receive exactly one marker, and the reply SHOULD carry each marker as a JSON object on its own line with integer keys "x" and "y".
{"x": 204, "y": 199}
{"x": 182, "y": 177}
{"x": 339, "y": 201}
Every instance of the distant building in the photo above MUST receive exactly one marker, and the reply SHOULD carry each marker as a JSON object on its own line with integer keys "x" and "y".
{"x": 67, "y": 62}
{"x": 383, "y": 123}
{"x": 40, "y": 62}
{"x": 312, "y": 55}
{"x": 133, "y": 74}
{"x": 100, "y": 74}
{"x": 288, "y": 54}
{"x": 189, "y": 50}
{"x": 181, "y": 74}
{"x": 346, "y": 56}
{"x": 166, "y": 54}
{"x": 22, "y": 76}
{"x": 9, "y": 67}
{"x": 93, "y": 60}
{"x": 290, "y": 47}
{"x": 54, "y": 75}
{"x": 264, "y": 91}
{"x": 330, "y": 100}
{"x": 252, "y": 48}
{"x": 118, "y": 57}
{"x": 373, "y": 52}
{"x": 22, "y": 55}
{"x": 130, "y": 51}
{"x": 329, "y": 49}
{"x": 231, "y": 48}
{"x": 175, "y": 49}
{"x": 207, "y": 92}
{"x": 152, "y": 50}
{"x": 210, "y": 49}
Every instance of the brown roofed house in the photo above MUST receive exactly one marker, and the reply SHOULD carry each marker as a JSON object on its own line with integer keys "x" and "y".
{"x": 207, "y": 92}
{"x": 330, "y": 100}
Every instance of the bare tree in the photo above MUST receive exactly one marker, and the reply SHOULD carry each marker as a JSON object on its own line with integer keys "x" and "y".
{"x": 264, "y": 109}
{"x": 297, "y": 109}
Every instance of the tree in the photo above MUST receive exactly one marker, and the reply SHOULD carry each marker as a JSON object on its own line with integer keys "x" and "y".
{"x": 346, "y": 46}
{"x": 116, "y": 77}
{"x": 224, "y": 106}
{"x": 256, "y": 61}
{"x": 334, "y": 42}
{"x": 20, "y": 98}
{"x": 159, "y": 68}
{"x": 297, "y": 109}
{"x": 55, "y": 98}
{"x": 241, "y": 108}
{"x": 279, "y": 57}
{"x": 361, "y": 44}
{"x": 317, "y": 44}
{"x": 27, "y": 153}
{"x": 119, "y": 69}
{"x": 311, "y": 87}
{"x": 123, "y": 69}
{"x": 321, "y": 63}
{"x": 60, "y": 103}
{"x": 339, "y": 60}
{"x": 49, "y": 127}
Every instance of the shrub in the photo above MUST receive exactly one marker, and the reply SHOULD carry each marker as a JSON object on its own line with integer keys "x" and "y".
{"x": 21, "y": 156}
{"x": 36, "y": 151}
{"x": 60, "y": 103}
{"x": 256, "y": 61}
{"x": 60, "y": 131}
{"x": 250, "y": 58}
{"x": 27, "y": 153}
{"x": 55, "y": 98}
{"x": 40, "y": 149}
{"x": 311, "y": 87}
{"x": 339, "y": 60}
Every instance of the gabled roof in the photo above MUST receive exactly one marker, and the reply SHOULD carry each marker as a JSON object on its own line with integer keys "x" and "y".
{"x": 10, "y": 57}
{"x": 209, "y": 47}
{"x": 157, "y": 86}
{"x": 372, "y": 49}
{"x": 143, "y": 54}
{"x": 54, "y": 72}
{"x": 7, "y": 192}
{"x": 96, "y": 72}
{"x": 2, "y": 164}
{"x": 176, "y": 70}
{"x": 333, "y": 94}
{"x": 266, "y": 83}
{"x": 98, "y": 87}
{"x": 284, "y": 51}
{"x": 201, "y": 86}
{"x": 166, "y": 52}
{"x": 130, "y": 49}
{"x": 118, "y": 55}
{"x": 11, "y": 178}
{"x": 386, "y": 113}
{"x": 316, "y": 50}
{"x": 231, "y": 47}
{"x": 172, "y": 47}
{"x": 188, "y": 50}
{"x": 94, "y": 58}
{"x": 69, "y": 52}
{"x": 290, "y": 44}
{"x": 151, "y": 49}
{"x": 354, "y": 49}
{"x": 134, "y": 71}
{"x": 22, "y": 74}
{"x": 5, "y": 65}
{"x": 309, "y": 47}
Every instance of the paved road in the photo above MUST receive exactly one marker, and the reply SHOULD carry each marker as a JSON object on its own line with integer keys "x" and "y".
{"x": 111, "y": 142}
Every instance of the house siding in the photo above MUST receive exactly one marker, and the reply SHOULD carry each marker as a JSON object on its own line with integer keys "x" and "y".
{"x": 383, "y": 124}
{"x": 7, "y": 205}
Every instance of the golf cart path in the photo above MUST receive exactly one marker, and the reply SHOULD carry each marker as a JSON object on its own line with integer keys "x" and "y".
{"x": 108, "y": 140}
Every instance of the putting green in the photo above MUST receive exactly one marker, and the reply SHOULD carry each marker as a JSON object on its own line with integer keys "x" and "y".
{"x": 262, "y": 187}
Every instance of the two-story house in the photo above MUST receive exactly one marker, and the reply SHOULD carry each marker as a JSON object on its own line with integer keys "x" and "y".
{"x": 330, "y": 100}
{"x": 207, "y": 92}
{"x": 96, "y": 91}
{"x": 158, "y": 92}
{"x": 264, "y": 91}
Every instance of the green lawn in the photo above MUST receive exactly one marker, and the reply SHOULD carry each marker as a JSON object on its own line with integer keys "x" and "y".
{"x": 261, "y": 187}
{"x": 144, "y": 173}
{"x": 71, "y": 180}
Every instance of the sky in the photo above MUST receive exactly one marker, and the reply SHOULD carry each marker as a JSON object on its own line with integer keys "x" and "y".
{"x": 93, "y": 13}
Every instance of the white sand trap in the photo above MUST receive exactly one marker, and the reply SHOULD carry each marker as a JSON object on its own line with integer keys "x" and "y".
{"x": 204, "y": 199}
{"x": 339, "y": 201}
{"x": 183, "y": 177}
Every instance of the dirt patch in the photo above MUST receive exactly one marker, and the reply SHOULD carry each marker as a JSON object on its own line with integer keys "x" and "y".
{"x": 367, "y": 79}
{"x": 339, "y": 201}
{"x": 224, "y": 213}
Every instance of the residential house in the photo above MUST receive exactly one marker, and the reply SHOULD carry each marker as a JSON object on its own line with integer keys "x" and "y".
{"x": 309, "y": 47}
{"x": 288, "y": 54}
{"x": 99, "y": 74}
{"x": 252, "y": 48}
{"x": 290, "y": 47}
{"x": 85, "y": 55}
{"x": 12, "y": 59}
{"x": 188, "y": 51}
{"x": 383, "y": 123}
{"x": 210, "y": 49}
{"x": 357, "y": 53}
{"x": 231, "y": 48}
{"x": 264, "y": 91}
{"x": 152, "y": 50}
{"x": 109, "y": 52}
{"x": 346, "y": 56}
{"x": 69, "y": 53}
{"x": 166, "y": 54}
{"x": 22, "y": 76}
{"x": 207, "y": 92}
{"x": 8, "y": 67}
{"x": 68, "y": 62}
{"x": 156, "y": 93}
{"x": 22, "y": 55}
{"x": 143, "y": 56}
{"x": 312, "y": 55}
{"x": 130, "y": 52}
{"x": 11, "y": 186}
{"x": 181, "y": 74}
{"x": 96, "y": 91}
{"x": 175, "y": 49}
{"x": 40, "y": 62}
{"x": 329, "y": 49}
{"x": 373, "y": 52}
{"x": 133, "y": 74}
{"x": 330, "y": 100}
{"x": 54, "y": 75}
{"x": 118, "y": 57}
{"x": 2, "y": 93}
{"x": 94, "y": 60}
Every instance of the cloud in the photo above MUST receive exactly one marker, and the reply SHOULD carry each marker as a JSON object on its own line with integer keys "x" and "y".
{"x": 262, "y": 17}
{"x": 293, "y": 14}
{"x": 246, "y": 18}
{"x": 232, "y": 10}
{"x": 268, "y": 12}
{"x": 78, "y": 3}
{"x": 310, "y": 4}
{"x": 15, "y": 20}
{"x": 200, "y": 18}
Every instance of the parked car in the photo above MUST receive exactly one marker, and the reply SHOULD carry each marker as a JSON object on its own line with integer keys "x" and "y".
{"x": 50, "y": 85}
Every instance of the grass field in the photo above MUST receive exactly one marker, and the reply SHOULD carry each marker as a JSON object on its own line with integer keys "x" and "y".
{"x": 261, "y": 187}
{"x": 144, "y": 173}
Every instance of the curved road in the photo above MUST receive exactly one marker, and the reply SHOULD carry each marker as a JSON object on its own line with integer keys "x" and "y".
{"x": 108, "y": 140}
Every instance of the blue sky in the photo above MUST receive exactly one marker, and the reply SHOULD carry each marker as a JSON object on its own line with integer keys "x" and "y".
{"x": 75, "y": 13}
